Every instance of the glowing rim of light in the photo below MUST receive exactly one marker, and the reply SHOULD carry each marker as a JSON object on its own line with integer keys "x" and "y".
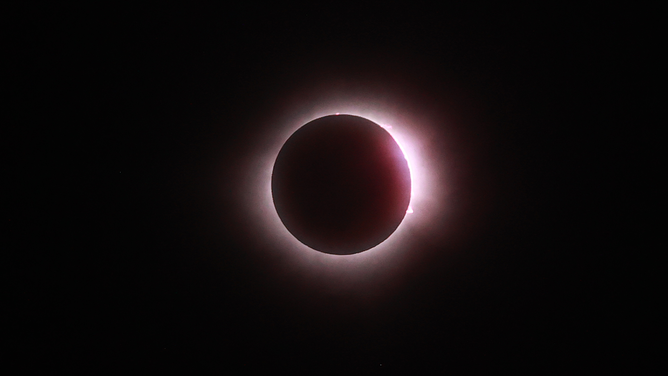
{"x": 422, "y": 205}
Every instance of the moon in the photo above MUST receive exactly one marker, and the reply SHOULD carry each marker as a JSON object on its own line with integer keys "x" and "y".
{"x": 341, "y": 184}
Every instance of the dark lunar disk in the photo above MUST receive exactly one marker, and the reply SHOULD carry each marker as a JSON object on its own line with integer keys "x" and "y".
{"x": 341, "y": 184}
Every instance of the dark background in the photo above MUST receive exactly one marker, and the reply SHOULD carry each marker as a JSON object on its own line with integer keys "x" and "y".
{"x": 129, "y": 119}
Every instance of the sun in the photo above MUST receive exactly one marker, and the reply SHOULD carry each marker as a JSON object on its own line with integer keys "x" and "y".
{"x": 425, "y": 205}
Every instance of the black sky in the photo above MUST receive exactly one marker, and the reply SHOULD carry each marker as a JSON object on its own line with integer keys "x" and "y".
{"x": 141, "y": 254}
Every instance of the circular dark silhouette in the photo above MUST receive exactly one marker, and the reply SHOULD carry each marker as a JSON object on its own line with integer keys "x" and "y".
{"x": 341, "y": 184}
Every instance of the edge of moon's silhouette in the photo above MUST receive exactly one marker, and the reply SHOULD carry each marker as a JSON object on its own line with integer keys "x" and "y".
{"x": 341, "y": 184}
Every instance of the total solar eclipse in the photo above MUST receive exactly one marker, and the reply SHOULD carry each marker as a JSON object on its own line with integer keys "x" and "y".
{"x": 341, "y": 184}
